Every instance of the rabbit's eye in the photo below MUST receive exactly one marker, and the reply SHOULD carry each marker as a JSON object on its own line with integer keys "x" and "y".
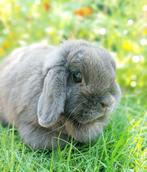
{"x": 76, "y": 76}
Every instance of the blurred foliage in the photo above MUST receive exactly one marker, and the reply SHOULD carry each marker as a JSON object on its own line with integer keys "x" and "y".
{"x": 120, "y": 26}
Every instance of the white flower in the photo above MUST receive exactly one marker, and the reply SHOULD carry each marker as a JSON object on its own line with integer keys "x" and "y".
{"x": 144, "y": 8}
{"x": 137, "y": 59}
{"x": 130, "y": 22}
{"x": 143, "y": 42}
{"x": 102, "y": 31}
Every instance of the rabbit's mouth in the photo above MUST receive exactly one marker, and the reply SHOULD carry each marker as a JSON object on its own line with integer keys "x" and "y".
{"x": 100, "y": 118}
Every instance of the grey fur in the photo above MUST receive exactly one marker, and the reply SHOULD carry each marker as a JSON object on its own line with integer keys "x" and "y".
{"x": 38, "y": 95}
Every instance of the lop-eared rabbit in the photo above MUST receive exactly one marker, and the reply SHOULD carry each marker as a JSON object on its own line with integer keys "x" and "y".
{"x": 53, "y": 93}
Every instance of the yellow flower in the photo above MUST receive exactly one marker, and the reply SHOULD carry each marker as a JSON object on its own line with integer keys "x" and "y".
{"x": 1, "y": 52}
{"x": 127, "y": 45}
{"x": 145, "y": 31}
{"x": 6, "y": 44}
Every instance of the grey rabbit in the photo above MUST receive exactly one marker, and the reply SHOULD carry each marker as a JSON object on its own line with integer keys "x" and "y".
{"x": 53, "y": 93}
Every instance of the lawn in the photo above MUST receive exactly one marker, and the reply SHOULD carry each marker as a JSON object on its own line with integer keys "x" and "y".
{"x": 121, "y": 147}
{"x": 119, "y": 26}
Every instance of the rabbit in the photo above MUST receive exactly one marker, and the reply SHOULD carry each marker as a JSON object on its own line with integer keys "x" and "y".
{"x": 54, "y": 93}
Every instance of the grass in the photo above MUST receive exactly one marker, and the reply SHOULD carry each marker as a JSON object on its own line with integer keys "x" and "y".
{"x": 121, "y": 147}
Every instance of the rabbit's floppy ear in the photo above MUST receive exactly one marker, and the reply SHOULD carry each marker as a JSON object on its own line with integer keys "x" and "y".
{"x": 52, "y": 99}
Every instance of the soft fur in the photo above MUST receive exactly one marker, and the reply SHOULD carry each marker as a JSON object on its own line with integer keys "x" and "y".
{"x": 38, "y": 93}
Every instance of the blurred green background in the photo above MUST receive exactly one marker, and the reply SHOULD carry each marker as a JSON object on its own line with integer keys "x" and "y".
{"x": 118, "y": 25}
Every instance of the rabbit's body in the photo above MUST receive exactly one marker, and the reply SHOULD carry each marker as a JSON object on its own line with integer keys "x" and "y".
{"x": 23, "y": 81}
{"x": 30, "y": 79}
{"x": 20, "y": 88}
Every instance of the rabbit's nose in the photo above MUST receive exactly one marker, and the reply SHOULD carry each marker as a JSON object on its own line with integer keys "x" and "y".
{"x": 103, "y": 104}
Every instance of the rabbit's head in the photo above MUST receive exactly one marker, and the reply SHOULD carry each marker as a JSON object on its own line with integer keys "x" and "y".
{"x": 79, "y": 84}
